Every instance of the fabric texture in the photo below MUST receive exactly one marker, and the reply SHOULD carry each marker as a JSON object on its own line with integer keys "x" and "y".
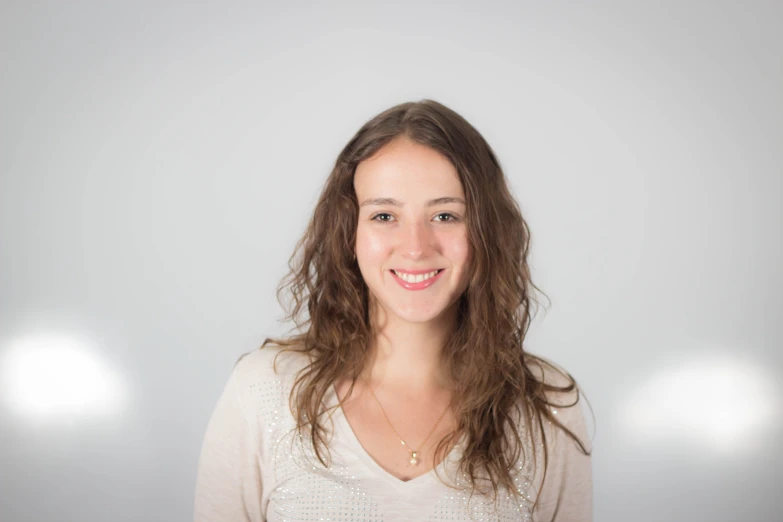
{"x": 254, "y": 467}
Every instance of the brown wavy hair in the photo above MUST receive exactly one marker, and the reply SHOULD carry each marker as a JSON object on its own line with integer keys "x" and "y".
{"x": 494, "y": 376}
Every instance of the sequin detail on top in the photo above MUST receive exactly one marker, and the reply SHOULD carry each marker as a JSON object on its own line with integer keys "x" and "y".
{"x": 305, "y": 490}
{"x": 482, "y": 508}
{"x": 455, "y": 504}
{"x": 300, "y": 488}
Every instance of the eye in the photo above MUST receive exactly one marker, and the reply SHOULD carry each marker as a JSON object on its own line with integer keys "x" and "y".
{"x": 379, "y": 214}
{"x": 448, "y": 217}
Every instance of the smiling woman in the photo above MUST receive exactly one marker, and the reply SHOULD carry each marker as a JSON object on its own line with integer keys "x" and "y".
{"x": 422, "y": 239}
{"x": 407, "y": 392}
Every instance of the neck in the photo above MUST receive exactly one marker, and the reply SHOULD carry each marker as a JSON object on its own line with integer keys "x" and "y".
{"x": 408, "y": 356}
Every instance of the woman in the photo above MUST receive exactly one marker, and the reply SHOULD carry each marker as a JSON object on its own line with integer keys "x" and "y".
{"x": 406, "y": 393}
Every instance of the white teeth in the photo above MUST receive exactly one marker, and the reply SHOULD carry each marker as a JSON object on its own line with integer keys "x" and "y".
{"x": 410, "y": 278}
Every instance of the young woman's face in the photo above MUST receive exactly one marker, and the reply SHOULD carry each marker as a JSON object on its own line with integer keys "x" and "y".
{"x": 411, "y": 224}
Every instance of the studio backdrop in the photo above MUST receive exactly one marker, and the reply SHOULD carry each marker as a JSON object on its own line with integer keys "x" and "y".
{"x": 159, "y": 161}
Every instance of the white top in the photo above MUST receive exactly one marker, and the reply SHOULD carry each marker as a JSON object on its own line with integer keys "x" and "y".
{"x": 253, "y": 468}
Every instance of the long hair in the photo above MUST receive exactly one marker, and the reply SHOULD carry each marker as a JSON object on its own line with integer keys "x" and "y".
{"x": 496, "y": 383}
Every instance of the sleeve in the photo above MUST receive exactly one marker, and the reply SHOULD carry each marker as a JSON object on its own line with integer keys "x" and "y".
{"x": 567, "y": 493}
{"x": 228, "y": 483}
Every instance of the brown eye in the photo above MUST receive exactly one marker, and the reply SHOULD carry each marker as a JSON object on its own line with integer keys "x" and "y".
{"x": 449, "y": 217}
{"x": 378, "y": 215}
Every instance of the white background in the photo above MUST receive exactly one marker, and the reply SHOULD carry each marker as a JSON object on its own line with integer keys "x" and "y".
{"x": 159, "y": 160}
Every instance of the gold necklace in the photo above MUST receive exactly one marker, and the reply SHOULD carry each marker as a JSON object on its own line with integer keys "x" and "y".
{"x": 414, "y": 454}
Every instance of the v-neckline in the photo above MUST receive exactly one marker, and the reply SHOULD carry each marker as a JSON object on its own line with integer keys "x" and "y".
{"x": 404, "y": 486}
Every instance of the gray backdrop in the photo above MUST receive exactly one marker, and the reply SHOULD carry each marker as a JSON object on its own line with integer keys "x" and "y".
{"x": 158, "y": 161}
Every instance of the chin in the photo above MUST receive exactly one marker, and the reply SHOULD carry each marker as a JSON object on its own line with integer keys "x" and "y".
{"x": 417, "y": 318}
{"x": 414, "y": 314}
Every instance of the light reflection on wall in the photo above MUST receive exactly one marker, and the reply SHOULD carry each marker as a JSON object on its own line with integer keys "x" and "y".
{"x": 59, "y": 376}
{"x": 720, "y": 402}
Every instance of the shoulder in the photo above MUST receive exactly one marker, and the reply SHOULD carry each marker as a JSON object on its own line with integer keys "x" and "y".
{"x": 559, "y": 385}
{"x": 268, "y": 365}
{"x": 566, "y": 400}
{"x": 548, "y": 371}
{"x": 262, "y": 380}
{"x": 565, "y": 492}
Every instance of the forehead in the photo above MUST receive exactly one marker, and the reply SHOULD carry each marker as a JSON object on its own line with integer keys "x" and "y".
{"x": 403, "y": 167}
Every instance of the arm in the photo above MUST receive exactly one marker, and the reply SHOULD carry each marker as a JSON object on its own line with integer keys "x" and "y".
{"x": 567, "y": 494}
{"x": 228, "y": 484}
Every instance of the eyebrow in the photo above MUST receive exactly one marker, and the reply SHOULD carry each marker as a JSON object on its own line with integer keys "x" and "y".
{"x": 394, "y": 203}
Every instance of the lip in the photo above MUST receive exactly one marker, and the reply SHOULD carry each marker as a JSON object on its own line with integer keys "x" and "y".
{"x": 417, "y": 286}
{"x": 417, "y": 272}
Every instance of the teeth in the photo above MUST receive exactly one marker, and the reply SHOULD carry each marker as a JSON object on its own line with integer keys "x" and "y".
{"x": 410, "y": 278}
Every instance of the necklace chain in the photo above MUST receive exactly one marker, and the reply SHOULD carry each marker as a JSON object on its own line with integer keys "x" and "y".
{"x": 414, "y": 454}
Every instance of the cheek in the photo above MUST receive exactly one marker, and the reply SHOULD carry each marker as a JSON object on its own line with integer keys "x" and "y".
{"x": 460, "y": 250}
{"x": 370, "y": 246}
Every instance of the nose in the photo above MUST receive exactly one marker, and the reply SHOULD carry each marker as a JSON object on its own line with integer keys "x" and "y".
{"x": 416, "y": 240}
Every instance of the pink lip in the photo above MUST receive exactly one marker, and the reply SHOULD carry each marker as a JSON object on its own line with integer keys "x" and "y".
{"x": 417, "y": 272}
{"x": 417, "y": 286}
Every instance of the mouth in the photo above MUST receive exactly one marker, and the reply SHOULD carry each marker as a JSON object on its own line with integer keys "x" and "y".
{"x": 417, "y": 280}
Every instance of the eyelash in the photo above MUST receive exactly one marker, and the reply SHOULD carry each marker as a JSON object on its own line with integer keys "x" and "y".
{"x": 452, "y": 217}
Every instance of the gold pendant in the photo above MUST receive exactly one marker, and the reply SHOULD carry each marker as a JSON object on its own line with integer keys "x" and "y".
{"x": 414, "y": 460}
